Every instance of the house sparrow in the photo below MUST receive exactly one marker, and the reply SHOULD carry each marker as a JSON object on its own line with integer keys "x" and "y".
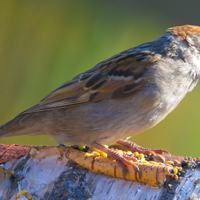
{"x": 119, "y": 97}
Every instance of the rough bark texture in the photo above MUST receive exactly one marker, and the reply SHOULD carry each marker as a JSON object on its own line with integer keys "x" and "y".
{"x": 46, "y": 173}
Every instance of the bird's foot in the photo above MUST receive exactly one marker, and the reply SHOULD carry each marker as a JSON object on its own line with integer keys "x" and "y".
{"x": 133, "y": 147}
{"x": 122, "y": 160}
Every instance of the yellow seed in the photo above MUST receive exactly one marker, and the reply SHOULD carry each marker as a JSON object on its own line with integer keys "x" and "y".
{"x": 136, "y": 154}
{"x": 17, "y": 195}
{"x": 96, "y": 154}
{"x": 169, "y": 162}
{"x": 29, "y": 196}
{"x": 141, "y": 160}
{"x": 175, "y": 170}
{"x": 89, "y": 154}
{"x": 144, "y": 161}
{"x": 120, "y": 152}
{"x": 116, "y": 150}
{"x": 104, "y": 155}
{"x": 23, "y": 192}
{"x": 179, "y": 168}
{"x": 105, "y": 146}
{"x": 141, "y": 155}
{"x": 175, "y": 177}
{"x": 81, "y": 147}
{"x": 129, "y": 153}
{"x": 176, "y": 162}
{"x": 159, "y": 158}
{"x": 12, "y": 172}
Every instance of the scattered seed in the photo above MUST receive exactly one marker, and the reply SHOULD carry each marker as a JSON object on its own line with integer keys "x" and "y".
{"x": 129, "y": 153}
{"x": 23, "y": 192}
{"x": 176, "y": 162}
{"x": 136, "y": 154}
{"x": 17, "y": 195}
{"x": 104, "y": 155}
{"x": 176, "y": 177}
{"x": 97, "y": 154}
{"x": 29, "y": 196}
{"x": 170, "y": 162}
{"x": 11, "y": 172}
{"x": 159, "y": 158}
{"x": 81, "y": 147}
{"x": 175, "y": 170}
{"x": 141, "y": 155}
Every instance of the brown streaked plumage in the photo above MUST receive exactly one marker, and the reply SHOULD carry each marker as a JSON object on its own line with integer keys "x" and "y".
{"x": 116, "y": 78}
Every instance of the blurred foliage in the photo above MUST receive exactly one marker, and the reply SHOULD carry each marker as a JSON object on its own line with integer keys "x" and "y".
{"x": 45, "y": 43}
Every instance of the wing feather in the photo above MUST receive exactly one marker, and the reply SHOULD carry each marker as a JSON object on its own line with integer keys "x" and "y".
{"x": 119, "y": 77}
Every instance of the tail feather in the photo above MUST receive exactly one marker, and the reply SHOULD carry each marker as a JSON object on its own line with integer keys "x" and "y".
{"x": 28, "y": 124}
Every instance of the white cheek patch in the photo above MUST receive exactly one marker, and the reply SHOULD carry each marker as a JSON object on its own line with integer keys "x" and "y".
{"x": 195, "y": 61}
{"x": 192, "y": 56}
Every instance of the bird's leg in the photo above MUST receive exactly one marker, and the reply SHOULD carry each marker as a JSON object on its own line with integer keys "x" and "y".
{"x": 121, "y": 160}
{"x": 131, "y": 146}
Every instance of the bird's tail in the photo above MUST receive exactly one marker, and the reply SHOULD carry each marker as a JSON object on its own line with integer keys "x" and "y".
{"x": 27, "y": 124}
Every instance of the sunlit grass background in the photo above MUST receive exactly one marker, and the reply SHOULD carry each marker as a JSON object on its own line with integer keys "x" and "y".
{"x": 45, "y": 43}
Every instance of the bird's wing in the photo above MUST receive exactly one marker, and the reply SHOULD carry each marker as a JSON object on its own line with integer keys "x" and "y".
{"x": 119, "y": 77}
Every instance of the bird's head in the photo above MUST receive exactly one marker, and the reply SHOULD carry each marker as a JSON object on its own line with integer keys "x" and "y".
{"x": 188, "y": 34}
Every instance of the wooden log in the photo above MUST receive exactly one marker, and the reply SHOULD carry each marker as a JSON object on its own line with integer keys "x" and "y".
{"x": 46, "y": 173}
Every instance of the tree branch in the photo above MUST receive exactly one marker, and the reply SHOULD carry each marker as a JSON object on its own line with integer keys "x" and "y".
{"x": 46, "y": 173}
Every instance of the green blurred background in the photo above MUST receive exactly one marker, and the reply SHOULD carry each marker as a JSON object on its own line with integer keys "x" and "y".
{"x": 45, "y": 43}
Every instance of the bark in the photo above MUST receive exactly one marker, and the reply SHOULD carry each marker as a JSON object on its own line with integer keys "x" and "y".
{"x": 46, "y": 173}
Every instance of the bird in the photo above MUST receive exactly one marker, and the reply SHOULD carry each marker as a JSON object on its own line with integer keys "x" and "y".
{"x": 120, "y": 97}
